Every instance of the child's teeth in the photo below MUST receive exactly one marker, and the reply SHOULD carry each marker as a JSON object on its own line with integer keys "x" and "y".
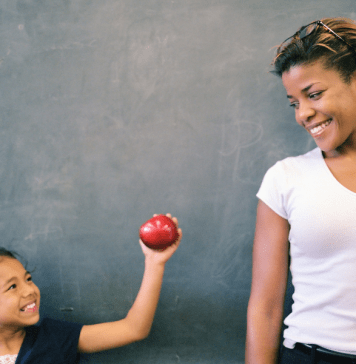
{"x": 29, "y": 307}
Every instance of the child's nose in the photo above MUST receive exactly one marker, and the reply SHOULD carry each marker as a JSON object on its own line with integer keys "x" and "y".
{"x": 28, "y": 289}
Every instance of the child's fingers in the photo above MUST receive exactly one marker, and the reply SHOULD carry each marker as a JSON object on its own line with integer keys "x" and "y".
{"x": 180, "y": 233}
{"x": 173, "y": 247}
{"x": 175, "y": 220}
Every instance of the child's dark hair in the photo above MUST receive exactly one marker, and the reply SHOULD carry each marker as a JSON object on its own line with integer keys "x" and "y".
{"x": 7, "y": 253}
{"x": 315, "y": 42}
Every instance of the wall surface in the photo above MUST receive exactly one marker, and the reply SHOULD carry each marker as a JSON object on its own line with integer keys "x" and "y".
{"x": 112, "y": 110}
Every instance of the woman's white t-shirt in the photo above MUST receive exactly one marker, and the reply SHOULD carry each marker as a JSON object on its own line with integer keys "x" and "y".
{"x": 322, "y": 216}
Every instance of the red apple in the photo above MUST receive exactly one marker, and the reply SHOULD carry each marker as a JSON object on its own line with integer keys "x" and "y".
{"x": 158, "y": 232}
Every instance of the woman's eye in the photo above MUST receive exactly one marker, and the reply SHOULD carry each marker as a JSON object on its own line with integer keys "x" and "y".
{"x": 12, "y": 287}
{"x": 294, "y": 105}
{"x": 315, "y": 95}
{"x": 29, "y": 279}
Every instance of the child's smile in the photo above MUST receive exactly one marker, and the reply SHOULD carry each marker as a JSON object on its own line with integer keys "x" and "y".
{"x": 19, "y": 296}
{"x": 31, "y": 307}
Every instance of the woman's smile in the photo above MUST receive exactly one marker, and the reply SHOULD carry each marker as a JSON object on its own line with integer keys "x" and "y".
{"x": 324, "y": 105}
{"x": 317, "y": 130}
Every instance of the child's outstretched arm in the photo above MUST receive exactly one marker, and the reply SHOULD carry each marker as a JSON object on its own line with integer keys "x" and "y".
{"x": 137, "y": 324}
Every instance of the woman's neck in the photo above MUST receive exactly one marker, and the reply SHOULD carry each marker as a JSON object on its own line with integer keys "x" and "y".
{"x": 346, "y": 150}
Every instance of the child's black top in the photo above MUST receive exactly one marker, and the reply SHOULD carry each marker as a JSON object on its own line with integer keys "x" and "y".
{"x": 50, "y": 342}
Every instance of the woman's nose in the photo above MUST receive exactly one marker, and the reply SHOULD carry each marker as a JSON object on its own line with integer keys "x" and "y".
{"x": 304, "y": 113}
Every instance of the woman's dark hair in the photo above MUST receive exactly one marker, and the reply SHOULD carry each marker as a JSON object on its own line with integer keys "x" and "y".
{"x": 320, "y": 44}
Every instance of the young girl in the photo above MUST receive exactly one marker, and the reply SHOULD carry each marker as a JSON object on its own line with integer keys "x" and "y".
{"x": 57, "y": 342}
{"x": 310, "y": 201}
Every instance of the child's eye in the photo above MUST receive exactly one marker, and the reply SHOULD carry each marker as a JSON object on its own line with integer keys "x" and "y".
{"x": 12, "y": 287}
{"x": 29, "y": 279}
{"x": 294, "y": 105}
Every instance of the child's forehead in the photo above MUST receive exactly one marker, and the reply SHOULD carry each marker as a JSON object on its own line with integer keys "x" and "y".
{"x": 10, "y": 267}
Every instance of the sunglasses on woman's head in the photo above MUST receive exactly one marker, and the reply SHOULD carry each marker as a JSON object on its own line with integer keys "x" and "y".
{"x": 309, "y": 29}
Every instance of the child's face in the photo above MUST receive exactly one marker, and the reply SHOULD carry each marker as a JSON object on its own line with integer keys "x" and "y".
{"x": 19, "y": 296}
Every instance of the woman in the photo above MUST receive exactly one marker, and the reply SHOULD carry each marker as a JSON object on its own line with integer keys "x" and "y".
{"x": 307, "y": 209}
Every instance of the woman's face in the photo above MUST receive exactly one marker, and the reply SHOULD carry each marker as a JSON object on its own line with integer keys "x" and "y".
{"x": 324, "y": 105}
{"x": 19, "y": 296}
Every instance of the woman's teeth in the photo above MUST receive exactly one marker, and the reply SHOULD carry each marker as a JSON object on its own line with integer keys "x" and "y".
{"x": 318, "y": 129}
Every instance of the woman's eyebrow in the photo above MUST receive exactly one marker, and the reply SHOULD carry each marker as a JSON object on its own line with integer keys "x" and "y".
{"x": 305, "y": 89}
